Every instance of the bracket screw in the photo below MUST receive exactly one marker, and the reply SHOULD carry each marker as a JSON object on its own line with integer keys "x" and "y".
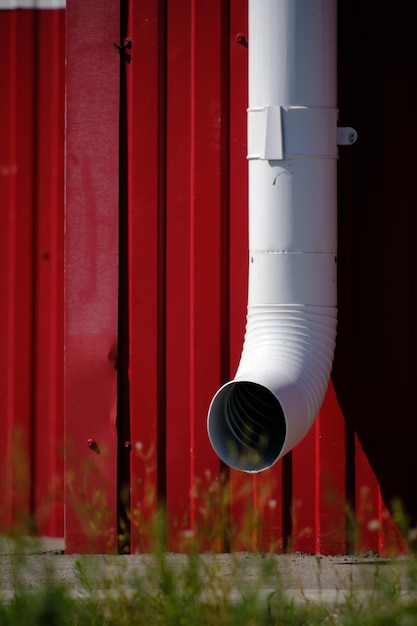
{"x": 241, "y": 39}
{"x": 93, "y": 445}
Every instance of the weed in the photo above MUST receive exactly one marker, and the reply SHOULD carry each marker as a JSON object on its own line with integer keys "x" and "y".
{"x": 201, "y": 585}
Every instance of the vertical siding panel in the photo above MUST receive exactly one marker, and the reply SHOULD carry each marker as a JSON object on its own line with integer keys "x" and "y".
{"x": 22, "y": 302}
{"x": 193, "y": 259}
{"x": 31, "y": 192}
{"x": 238, "y": 229}
{"x": 8, "y": 167}
{"x": 394, "y": 541}
{"x": 48, "y": 376}
{"x": 375, "y": 527}
{"x": 305, "y": 493}
{"x": 332, "y": 477}
{"x": 17, "y": 176}
{"x": 270, "y": 505}
{"x": 178, "y": 285}
{"x": 91, "y": 274}
{"x": 206, "y": 256}
{"x": 146, "y": 176}
{"x": 367, "y": 504}
{"x": 238, "y": 220}
{"x": 318, "y": 484}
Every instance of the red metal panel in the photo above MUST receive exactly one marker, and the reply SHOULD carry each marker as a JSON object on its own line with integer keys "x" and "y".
{"x": 375, "y": 529}
{"x": 48, "y": 444}
{"x": 193, "y": 254}
{"x": 318, "y": 484}
{"x": 238, "y": 221}
{"x": 305, "y": 492}
{"x": 146, "y": 125}
{"x": 91, "y": 274}
{"x": 16, "y": 260}
{"x": 332, "y": 476}
{"x": 367, "y": 521}
{"x": 179, "y": 296}
{"x": 31, "y": 192}
{"x": 208, "y": 250}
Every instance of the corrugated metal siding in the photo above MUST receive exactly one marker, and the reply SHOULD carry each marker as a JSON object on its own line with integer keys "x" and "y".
{"x": 91, "y": 277}
{"x": 31, "y": 267}
{"x": 187, "y": 199}
{"x": 156, "y": 284}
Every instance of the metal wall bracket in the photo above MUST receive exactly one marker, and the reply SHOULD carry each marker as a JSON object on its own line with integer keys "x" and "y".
{"x": 276, "y": 133}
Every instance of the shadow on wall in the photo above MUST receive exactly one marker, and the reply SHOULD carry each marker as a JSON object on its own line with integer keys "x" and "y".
{"x": 375, "y": 368}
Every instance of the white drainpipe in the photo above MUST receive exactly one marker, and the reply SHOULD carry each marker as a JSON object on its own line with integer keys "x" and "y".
{"x": 287, "y": 356}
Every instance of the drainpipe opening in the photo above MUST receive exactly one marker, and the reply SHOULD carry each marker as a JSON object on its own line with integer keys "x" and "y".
{"x": 247, "y": 426}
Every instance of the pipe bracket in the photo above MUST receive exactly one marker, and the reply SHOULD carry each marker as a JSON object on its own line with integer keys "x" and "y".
{"x": 276, "y": 133}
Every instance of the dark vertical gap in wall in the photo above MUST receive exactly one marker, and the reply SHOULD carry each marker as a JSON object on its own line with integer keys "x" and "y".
{"x": 162, "y": 237}
{"x": 123, "y": 391}
{"x": 413, "y": 292}
{"x": 34, "y": 270}
{"x": 224, "y": 278}
{"x": 287, "y": 502}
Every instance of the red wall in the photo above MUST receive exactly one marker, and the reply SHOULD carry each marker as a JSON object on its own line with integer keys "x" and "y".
{"x": 31, "y": 267}
{"x": 155, "y": 285}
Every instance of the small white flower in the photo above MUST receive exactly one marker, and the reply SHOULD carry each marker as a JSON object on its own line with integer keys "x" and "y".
{"x": 188, "y": 533}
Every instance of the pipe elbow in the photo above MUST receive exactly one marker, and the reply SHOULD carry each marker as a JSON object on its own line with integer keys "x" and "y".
{"x": 280, "y": 384}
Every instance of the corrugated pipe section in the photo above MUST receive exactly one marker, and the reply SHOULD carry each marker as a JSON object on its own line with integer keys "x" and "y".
{"x": 287, "y": 355}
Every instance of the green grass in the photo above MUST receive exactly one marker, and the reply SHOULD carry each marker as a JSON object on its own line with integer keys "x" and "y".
{"x": 195, "y": 588}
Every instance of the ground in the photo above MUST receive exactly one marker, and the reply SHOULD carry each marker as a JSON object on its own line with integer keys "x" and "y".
{"x": 302, "y": 577}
